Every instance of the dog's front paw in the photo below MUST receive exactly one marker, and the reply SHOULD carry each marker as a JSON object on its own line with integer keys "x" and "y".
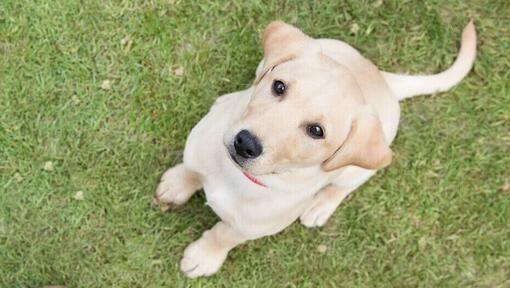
{"x": 176, "y": 187}
{"x": 318, "y": 213}
{"x": 202, "y": 258}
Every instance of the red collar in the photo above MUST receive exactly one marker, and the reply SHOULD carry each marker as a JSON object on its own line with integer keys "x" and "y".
{"x": 254, "y": 180}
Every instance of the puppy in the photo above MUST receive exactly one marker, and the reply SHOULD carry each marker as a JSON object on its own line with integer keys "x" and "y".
{"x": 315, "y": 125}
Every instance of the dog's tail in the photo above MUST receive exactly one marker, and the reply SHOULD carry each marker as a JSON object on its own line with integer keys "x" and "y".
{"x": 405, "y": 86}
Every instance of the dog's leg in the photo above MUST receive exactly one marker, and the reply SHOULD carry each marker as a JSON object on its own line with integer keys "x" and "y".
{"x": 205, "y": 256}
{"x": 177, "y": 185}
{"x": 323, "y": 205}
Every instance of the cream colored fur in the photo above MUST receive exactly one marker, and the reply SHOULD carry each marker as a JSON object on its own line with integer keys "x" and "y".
{"x": 328, "y": 82}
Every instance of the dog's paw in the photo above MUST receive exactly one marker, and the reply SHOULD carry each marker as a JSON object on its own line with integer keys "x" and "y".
{"x": 202, "y": 258}
{"x": 318, "y": 213}
{"x": 175, "y": 188}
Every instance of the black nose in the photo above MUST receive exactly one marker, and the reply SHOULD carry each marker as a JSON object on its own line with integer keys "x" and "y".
{"x": 247, "y": 145}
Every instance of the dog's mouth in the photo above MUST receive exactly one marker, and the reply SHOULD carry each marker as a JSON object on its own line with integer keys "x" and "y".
{"x": 245, "y": 173}
{"x": 253, "y": 179}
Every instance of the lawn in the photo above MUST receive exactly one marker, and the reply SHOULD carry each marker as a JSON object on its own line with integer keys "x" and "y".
{"x": 97, "y": 98}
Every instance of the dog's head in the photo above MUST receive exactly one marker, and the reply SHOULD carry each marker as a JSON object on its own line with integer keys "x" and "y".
{"x": 306, "y": 110}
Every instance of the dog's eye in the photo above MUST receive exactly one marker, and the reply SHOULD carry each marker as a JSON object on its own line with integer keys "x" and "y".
{"x": 315, "y": 131}
{"x": 278, "y": 88}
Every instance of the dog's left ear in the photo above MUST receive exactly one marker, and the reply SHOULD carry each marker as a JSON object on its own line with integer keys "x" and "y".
{"x": 283, "y": 42}
{"x": 364, "y": 147}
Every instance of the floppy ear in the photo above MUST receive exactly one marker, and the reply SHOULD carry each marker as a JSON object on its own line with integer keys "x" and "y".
{"x": 283, "y": 42}
{"x": 365, "y": 146}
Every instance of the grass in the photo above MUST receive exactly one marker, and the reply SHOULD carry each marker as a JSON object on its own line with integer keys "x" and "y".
{"x": 438, "y": 217}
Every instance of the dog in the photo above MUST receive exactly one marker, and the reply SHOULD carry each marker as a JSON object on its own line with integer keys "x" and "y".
{"x": 315, "y": 125}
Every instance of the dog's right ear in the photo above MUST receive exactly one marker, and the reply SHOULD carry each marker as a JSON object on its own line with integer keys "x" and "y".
{"x": 283, "y": 42}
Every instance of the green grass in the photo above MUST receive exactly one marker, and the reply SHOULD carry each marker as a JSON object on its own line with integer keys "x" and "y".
{"x": 438, "y": 217}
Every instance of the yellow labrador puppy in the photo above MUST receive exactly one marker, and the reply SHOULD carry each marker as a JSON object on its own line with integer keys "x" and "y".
{"x": 315, "y": 125}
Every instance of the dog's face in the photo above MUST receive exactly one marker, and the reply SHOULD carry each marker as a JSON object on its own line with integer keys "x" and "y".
{"x": 305, "y": 110}
{"x": 298, "y": 116}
